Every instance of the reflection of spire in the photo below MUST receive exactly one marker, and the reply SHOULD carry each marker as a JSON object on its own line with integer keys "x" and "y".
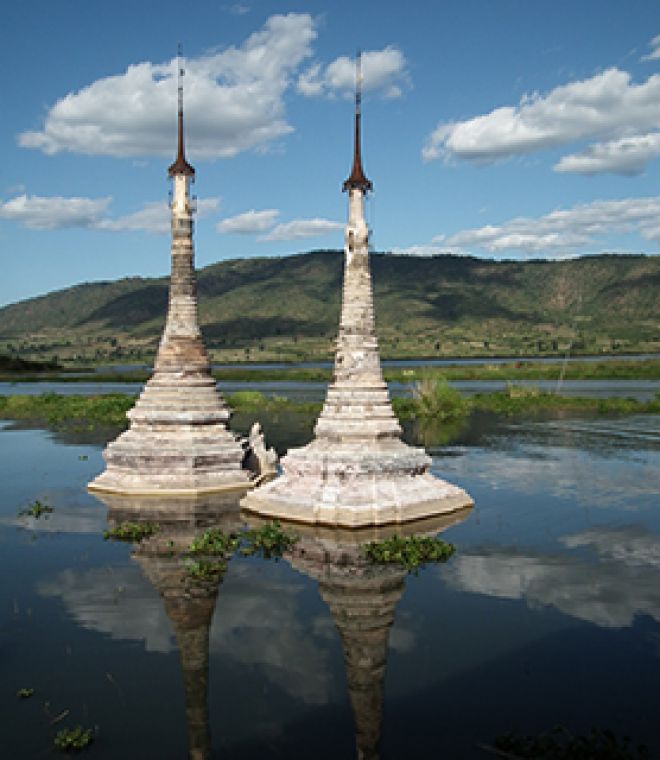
{"x": 357, "y": 177}
{"x": 189, "y": 605}
{"x": 362, "y": 598}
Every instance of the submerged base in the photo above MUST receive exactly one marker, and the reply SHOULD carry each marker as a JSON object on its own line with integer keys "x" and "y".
{"x": 350, "y": 485}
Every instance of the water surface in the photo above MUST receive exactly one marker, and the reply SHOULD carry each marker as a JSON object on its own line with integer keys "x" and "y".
{"x": 549, "y": 613}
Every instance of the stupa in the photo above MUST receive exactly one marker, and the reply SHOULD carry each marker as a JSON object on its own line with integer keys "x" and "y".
{"x": 357, "y": 471}
{"x": 178, "y": 441}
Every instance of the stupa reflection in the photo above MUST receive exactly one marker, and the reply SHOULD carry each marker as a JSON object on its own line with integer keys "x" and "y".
{"x": 362, "y": 597}
{"x": 189, "y": 602}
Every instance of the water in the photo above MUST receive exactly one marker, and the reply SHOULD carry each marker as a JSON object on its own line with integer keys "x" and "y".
{"x": 549, "y": 613}
{"x": 643, "y": 390}
{"x": 479, "y": 360}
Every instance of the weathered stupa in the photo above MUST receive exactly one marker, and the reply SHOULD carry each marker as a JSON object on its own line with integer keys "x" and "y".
{"x": 357, "y": 471}
{"x": 178, "y": 441}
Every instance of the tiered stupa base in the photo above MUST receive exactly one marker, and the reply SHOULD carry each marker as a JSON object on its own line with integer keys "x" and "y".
{"x": 178, "y": 442}
{"x": 354, "y": 484}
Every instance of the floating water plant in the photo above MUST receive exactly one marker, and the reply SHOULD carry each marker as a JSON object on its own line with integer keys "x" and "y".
{"x": 412, "y": 551}
{"x": 130, "y": 531}
{"x": 560, "y": 744}
{"x": 268, "y": 541}
{"x": 214, "y": 542}
{"x": 37, "y": 509}
{"x": 205, "y": 570}
{"x": 73, "y": 739}
{"x": 24, "y": 693}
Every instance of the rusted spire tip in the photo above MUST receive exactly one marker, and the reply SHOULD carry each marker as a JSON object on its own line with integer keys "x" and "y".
{"x": 357, "y": 177}
{"x": 180, "y": 165}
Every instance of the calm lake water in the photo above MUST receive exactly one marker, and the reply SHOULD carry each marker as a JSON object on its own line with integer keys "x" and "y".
{"x": 642, "y": 390}
{"x": 549, "y": 612}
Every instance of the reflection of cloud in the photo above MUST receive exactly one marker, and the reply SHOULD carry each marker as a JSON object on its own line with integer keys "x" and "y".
{"x": 584, "y": 462}
{"x": 117, "y": 601}
{"x": 252, "y": 628}
{"x": 249, "y": 627}
{"x": 610, "y": 592}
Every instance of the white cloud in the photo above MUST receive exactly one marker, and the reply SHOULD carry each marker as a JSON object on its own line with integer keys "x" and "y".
{"x": 606, "y": 106}
{"x": 302, "y": 228}
{"x": 233, "y": 101}
{"x": 565, "y": 231}
{"x": 627, "y": 155}
{"x": 153, "y": 217}
{"x": 54, "y": 213}
{"x": 382, "y": 70}
{"x": 250, "y": 222}
{"x": 50, "y": 213}
{"x": 654, "y": 44}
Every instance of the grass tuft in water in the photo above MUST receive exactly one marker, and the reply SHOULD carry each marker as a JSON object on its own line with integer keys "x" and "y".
{"x": 269, "y": 541}
{"x": 560, "y": 744}
{"x": 25, "y": 693}
{"x": 37, "y": 509}
{"x": 412, "y": 551}
{"x": 73, "y": 739}
{"x": 130, "y": 531}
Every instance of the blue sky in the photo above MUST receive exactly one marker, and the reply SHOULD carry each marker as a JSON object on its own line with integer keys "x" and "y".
{"x": 500, "y": 128}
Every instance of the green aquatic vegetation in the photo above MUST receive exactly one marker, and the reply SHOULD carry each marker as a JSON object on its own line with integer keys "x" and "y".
{"x": 74, "y": 412}
{"x": 214, "y": 542}
{"x": 205, "y": 570}
{"x": 24, "y": 693}
{"x": 560, "y": 744}
{"x": 269, "y": 541}
{"x": 411, "y": 551}
{"x": 130, "y": 531}
{"x": 73, "y": 739}
{"x": 434, "y": 397}
{"x": 37, "y": 509}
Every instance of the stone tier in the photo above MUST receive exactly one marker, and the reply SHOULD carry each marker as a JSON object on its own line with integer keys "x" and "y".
{"x": 350, "y": 484}
{"x": 178, "y": 442}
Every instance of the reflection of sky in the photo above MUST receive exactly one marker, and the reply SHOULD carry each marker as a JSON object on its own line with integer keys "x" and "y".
{"x": 595, "y": 463}
{"x": 614, "y": 577}
{"x": 258, "y": 621}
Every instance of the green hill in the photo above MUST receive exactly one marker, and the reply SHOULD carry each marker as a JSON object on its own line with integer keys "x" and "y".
{"x": 288, "y": 308}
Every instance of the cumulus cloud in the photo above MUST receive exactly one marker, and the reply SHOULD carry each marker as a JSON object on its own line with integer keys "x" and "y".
{"x": 250, "y": 222}
{"x": 607, "y": 106}
{"x": 627, "y": 155}
{"x": 654, "y": 44}
{"x": 233, "y": 101}
{"x": 302, "y": 228}
{"x": 383, "y": 71}
{"x": 565, "y": 231}
{"x": 610, "y": 591}
{"x": 57, "y": 213}
{"x": 153, "y": 217}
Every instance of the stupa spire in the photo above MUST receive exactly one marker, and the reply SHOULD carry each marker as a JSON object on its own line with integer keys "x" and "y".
{"x": 180, "y": 165}
{"x": 357, "y": 177}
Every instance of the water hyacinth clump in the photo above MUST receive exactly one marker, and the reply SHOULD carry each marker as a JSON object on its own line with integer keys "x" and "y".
{"x": 269, "y": 541}
{"x": 215, "y": 542}
{"x": 73, "y": 739}
{"x": 132, "y": 532}
{"x": 412, "y": 551}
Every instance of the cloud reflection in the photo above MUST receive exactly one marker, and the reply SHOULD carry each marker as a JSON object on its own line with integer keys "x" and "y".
{"x": 620, "y": 582}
